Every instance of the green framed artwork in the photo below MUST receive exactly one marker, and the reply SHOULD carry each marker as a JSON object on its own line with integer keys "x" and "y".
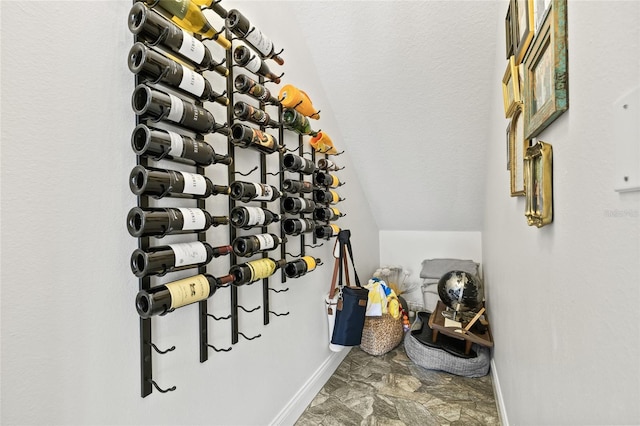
{"x": 546, "y": 78}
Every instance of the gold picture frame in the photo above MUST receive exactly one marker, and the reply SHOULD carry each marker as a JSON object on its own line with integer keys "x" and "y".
{"x": 546, "y": 81}
{"x": 517, "y": 147}
{"x": 538, "y": 166}
{"x": 523, "y": 27}
{"x": 510, "y": 88}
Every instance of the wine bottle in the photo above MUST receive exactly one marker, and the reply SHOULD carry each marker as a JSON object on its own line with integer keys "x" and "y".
{"x": 297, "y": 122}
{"x": 243, "y": 57}
{"x": 165, "y": 298}
{"x": 158, "y": 144}
{"x": 251, "y": 217}
{"x": 247, "y": 112}
{"x": 213, "y": 5}
{"x": 295, "y": 163}
{"x": 153, "y": 28}
{"x": 248, "y": 86}
{"x": 294, "y": 226}
{"x": 159, "y": 183}
{"x": 292, "y": 97}
{"x": 248, "y": 137}
{"x": 295, "y": 205}
{"x": 252, "y": 191}
{"x": 159, "y": 222}
{"x": 296, "y": 186}
{"x": 326, "y": 196}
{"x": 255, "y": 270}
{"x": 189, "y": 16}
{"x": 240, "y": 26}
{"x": 327, "y": 231}
{"x": 323, "y": 144}
{"x": 326, "y": 214}
{"x": 249, "y": 245}
{"x": 155, "y": 66}
{"x": 157, "y": 105}
{"x": 326, "y": 179}
{"x": 299, "y": 267}
{"x": 328, "y": 165}
{"x": 174, "y": 257}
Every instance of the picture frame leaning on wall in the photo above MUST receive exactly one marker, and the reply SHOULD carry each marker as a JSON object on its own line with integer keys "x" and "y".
{"x": 546, "y": 77}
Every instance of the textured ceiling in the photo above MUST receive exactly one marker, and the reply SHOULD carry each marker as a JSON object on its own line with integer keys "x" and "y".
{"x": 410, "y": 84}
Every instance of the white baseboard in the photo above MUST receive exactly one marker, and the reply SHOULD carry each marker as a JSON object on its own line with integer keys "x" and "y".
{"x": 296, "y": 406}
{"x": 502, "y": 412}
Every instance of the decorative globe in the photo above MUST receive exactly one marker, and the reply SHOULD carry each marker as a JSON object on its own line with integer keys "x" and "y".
{"x": 460, "y": 291}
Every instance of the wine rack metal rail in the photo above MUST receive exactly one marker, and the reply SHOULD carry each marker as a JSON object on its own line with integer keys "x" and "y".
{"x": 146, "y": 342}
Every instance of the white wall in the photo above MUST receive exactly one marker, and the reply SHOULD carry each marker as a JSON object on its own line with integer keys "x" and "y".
{"x": 563, "y": 299}
{"x": 409, "y": 248}
{"x": 69, "y": 328}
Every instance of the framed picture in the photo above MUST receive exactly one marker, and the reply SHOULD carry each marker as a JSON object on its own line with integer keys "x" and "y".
{"x": 523, "y": 27}
{"x": 510, "y": 88}
{"x": 538, "y": 164}
{"x": 508, "y": 32}
{"x": 546, "y": 83}
{"x": 508, "y": 149}
{"x": 540, "y": 9}
{"x": 517, "y": 146}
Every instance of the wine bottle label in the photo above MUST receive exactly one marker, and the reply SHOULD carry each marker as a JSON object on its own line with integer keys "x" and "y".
{"x": 304, "y": 203}
{"x": 264, "y": 192}
{"x": 192, "y": 48}
{"x": 193, "y": 219}
{"x": 335, "y": 197}
{"x": 260, "y": 92}
{"x": 192, "y": 82}
{"x": 188, "y": 290}
{"x": 334, "y": 181}
{"x": 336, "y": 212}
{"x": 253, "y": 65}
{"x": 177, "y": 144}
{"x": 189, "y": 253}
{"x": 336, "y": 229}
{"x": 261, "y": 268}
{"x": 259, "y": 41}
{"x": 310, "y": 261}
{"x": 194, "y": 183}
{"x": 176, "y": 111}
{"x": 265, "y": 241}
{"x": 261, "y": 138}
{"x": 305, "y": 225}
{"x": 256, "y": 216}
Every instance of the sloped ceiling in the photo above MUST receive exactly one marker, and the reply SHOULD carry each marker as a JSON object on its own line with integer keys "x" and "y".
{"x": 411, "y": 86}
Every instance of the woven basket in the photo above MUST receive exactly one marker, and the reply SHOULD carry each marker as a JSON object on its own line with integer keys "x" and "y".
{"x": 381, "y": 334}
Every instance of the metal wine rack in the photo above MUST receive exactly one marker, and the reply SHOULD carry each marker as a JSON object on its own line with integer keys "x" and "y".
{"x": 146, "y": 343}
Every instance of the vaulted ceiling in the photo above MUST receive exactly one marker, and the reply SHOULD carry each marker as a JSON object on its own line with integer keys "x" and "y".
{"x": 412, "y": 83}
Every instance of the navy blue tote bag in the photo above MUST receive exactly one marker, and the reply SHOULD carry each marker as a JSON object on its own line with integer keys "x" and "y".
{"x": 352, "y": 300}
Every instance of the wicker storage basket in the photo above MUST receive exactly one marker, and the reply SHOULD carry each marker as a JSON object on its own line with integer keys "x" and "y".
{"x": 381, "y": 334}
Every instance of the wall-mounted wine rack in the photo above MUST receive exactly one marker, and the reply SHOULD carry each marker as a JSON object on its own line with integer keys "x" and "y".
{"x": 163, "y": 43}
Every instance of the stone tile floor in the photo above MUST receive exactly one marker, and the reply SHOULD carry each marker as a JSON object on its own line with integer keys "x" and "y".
{"x": 391, "y": 390}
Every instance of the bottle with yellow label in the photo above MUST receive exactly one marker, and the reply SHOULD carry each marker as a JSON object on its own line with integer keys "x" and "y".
{"x": 327, "y": 214}
{"x": 327, "y": 231}
{"x": 299, "y": 267}
{"x": 188, "y": 15}
{"x": 165, "y": 298}
{"x": 246, "y": 273}
{"x": 326, "y": 196}
{"x": 292, "y": 97}
{"x": 327, "y": 179}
